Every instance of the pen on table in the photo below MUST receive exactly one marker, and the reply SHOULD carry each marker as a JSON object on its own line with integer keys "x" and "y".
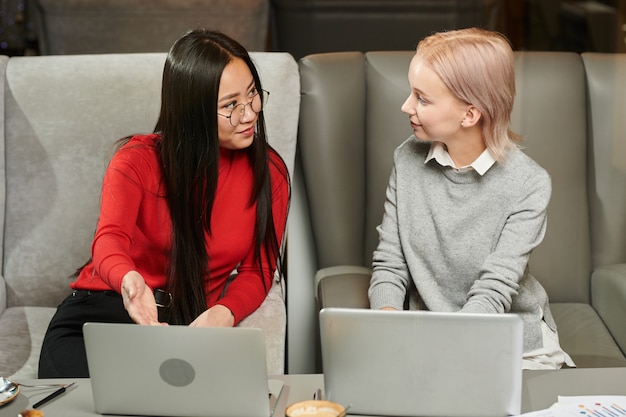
{"x": 53, "y": 395}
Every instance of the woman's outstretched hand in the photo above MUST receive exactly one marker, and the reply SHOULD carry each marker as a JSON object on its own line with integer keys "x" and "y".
{"x": 216, "y": 316}
{"x": 139, "y": 299}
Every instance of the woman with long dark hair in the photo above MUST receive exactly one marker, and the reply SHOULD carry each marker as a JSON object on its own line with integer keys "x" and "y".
{"x": 192, "y": 216}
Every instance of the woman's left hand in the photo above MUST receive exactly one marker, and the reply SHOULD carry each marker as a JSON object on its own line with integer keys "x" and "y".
{"x": 139, "y": 299}
{"x": 216, "y": 316}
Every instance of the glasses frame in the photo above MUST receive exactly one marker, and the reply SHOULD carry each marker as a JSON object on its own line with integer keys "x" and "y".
{"x": 264, "y": 99}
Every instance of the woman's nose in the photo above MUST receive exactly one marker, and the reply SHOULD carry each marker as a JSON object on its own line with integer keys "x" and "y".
{"x": 408, "y": 106}
{"x": 248, "y": 113}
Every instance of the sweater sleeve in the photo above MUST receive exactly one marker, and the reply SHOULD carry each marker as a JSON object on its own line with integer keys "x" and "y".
{"x": 248, "y": 290}
{"x": 390, "y": 275}
{"x": 119, "y": 206}
{"x": 505, "y": 267}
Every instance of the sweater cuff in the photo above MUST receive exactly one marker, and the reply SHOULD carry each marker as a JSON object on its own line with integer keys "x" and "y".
{"x": 380, "y": 297}
{"x": 474, "y": 307}
{"x": 233, "y": 311}
{"x": 116, "y": 275}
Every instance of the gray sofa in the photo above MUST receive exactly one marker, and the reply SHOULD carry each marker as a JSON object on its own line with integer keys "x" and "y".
{"x": 60, "y": 116}
{"x": 570, "y": 109}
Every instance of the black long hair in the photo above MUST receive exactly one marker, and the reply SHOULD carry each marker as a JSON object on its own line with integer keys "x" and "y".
{"x": 189, "y": 153}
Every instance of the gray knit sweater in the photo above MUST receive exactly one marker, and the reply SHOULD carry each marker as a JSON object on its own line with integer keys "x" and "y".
{"x": 463, "y": 240}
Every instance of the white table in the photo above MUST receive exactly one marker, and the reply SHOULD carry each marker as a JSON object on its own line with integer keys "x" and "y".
{"x": 540, "y": 390}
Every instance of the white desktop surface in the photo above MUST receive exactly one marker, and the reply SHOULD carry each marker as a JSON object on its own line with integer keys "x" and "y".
{"x": 540, "y": 390}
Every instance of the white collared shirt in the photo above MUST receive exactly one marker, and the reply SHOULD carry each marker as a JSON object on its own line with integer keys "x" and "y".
{"x": 439, "y": 153}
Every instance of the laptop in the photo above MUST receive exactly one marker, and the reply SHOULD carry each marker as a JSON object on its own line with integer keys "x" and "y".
{"x": 419, "y": 363}
{"x": 179, "y": 371}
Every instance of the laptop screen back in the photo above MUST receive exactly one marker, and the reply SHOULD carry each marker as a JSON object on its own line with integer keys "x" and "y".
{"x": 417, "y": 363}
{"x": 177, "y": 370}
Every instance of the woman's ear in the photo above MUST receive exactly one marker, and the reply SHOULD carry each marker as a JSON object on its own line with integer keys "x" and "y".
{"x": 472, "y": 116}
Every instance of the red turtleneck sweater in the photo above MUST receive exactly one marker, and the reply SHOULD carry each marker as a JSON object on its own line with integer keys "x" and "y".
{"x": 134, "y": 228}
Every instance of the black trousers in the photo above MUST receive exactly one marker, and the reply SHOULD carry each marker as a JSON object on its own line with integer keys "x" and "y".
{"x": 63, "y": 350}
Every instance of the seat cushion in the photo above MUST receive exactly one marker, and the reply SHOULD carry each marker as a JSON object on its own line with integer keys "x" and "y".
{"x": 21, "y": 333}
{"x": 271, "y": 317}
{"x": 584, "y": 336}
{"x": 22, "y": 330}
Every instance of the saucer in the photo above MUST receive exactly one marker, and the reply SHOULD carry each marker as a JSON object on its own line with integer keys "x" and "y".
{"x": 10, "y": 395}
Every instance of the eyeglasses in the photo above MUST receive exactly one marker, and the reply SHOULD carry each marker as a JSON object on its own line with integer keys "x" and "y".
{"x": 258, "y": 102}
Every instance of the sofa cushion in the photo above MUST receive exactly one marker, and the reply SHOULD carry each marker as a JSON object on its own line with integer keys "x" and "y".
{"x": 22, "y": 330}
{"x": 583, "y": 335}
{"x": 21, "y": 334}
{"x": 271, "y": 317}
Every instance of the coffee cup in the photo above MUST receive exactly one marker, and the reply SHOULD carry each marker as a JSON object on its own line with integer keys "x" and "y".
{"x": 314, "y": 408}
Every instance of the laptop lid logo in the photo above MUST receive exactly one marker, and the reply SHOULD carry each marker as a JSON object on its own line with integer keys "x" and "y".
{"x": 177, "y": 372}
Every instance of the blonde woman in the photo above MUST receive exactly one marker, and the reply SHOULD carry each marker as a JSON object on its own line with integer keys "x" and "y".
{"x": 465, "y": 207}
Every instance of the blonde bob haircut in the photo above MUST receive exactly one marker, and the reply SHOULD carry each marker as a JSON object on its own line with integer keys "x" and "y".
{"x": 477, "y": 66}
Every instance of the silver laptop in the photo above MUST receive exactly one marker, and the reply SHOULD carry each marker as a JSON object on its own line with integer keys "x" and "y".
{"x": 179, "y": 371}
{"x": 418, "y": 363}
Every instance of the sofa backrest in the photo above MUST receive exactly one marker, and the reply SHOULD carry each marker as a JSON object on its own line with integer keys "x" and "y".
{"x": 63, "y": 115}
{"x": 606, "y": 85}
{"x": 550, "y": 113}
{"x": 351, "y": 123}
